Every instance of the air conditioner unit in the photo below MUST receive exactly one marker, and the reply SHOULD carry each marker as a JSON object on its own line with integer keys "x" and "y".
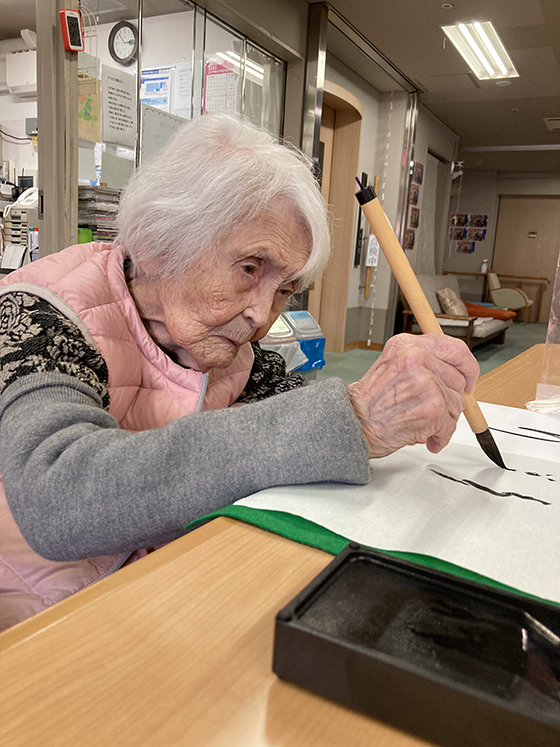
{"x": 21, "y": 73}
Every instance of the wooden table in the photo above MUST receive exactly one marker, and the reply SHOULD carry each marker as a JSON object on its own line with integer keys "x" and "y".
{"x": 514, "y": 383}
{"x": 176, "y": 649}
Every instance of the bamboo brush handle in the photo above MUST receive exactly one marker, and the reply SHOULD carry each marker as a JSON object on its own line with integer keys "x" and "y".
{"x": 414, "y": 294}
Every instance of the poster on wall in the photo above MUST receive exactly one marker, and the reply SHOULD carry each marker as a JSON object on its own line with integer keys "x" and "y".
{"x": 414, "y": 217}
{"x": 182, "y": 90}
{"x": 119, "y": 107}
{"x": 476, "y": 234}
{"x": 220, "y": 88}
{"x": 414, "y": 194}
{"x": 89, "y": 109}
{"x": 418, "y": 173}
{"x": 155, "y": 88}
{"x": 467, "y": 231}
{"x": 457, "y": 233}
{"x": 409, "y": 238}
{"x": 478, "y": 221}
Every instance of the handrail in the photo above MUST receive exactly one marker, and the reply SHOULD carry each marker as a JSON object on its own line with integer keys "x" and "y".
{"x": 519, "y": 277}
{"x": 499, "y": 274}
{"x": 450, "y": 272}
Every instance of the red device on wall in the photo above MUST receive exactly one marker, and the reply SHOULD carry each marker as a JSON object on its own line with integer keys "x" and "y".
{"x": 72, "y": 31}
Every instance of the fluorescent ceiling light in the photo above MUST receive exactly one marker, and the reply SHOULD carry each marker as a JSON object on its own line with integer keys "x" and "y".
{"x": 482, "y": 49}
{"x": 235, "y": 59}
{"x": 250, "y": 64}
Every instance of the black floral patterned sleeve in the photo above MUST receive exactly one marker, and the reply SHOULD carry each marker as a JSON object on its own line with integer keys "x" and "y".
{"x": 268, "y": 377}
{"x": 37, "y": 338}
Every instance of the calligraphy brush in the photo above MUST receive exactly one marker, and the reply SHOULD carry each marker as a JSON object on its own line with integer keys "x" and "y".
{"x": 426, "y": 318}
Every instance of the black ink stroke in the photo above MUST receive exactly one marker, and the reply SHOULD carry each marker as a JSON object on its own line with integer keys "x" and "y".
{"x": 534, "y": 438}
{"x": 489, "y": 490}
{"x": 548, "y": 476}
{"x": 536, "y": 430}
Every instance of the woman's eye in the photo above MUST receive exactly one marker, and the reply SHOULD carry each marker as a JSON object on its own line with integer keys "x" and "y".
{"x": 249, "y": 269}
{"x": 286, "y": 292}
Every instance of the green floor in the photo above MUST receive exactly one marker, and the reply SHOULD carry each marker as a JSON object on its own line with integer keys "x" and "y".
{"x": 352, "y": 365}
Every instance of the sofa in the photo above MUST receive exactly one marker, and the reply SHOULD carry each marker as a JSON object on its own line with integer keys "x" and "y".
{"x": 473, "y": 330}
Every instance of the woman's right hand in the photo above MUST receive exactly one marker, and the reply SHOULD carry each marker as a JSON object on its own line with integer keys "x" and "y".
{"x": 414, "y": 392}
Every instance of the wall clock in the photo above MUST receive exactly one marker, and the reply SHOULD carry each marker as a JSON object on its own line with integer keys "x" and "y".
{"x": 123, "y": 43}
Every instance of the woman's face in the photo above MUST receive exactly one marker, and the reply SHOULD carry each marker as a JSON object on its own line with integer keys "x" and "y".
{"x": 233, "y": 296}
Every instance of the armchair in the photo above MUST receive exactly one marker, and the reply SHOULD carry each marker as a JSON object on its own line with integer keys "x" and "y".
{"x": 507, "y": 298}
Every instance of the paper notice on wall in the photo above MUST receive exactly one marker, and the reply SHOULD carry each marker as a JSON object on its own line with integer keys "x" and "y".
{"x": 182, "y": 89}
{"x": 155, "y": 88}
{"x": 372, "y": 255}
{"x": 220, "y": 83}
{"x": 157, "y": 128}
{"x": 89, "y": 109}
{"x": 119, "y": 107}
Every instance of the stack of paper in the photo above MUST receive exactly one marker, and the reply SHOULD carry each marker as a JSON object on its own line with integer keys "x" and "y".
{"x": 97, "y": 210}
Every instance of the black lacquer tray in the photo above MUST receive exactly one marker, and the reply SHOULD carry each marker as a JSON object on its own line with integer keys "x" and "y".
{"x": 453, "y": 661}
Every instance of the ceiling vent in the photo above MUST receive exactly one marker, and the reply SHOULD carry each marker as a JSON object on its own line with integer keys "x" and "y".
{"x": 552, "y": 123}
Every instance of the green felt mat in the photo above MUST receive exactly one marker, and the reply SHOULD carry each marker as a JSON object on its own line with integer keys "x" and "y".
{"x": 308, "y": 533}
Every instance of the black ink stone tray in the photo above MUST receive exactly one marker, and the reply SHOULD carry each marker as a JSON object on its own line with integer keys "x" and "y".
{"x": 453, "y": 661}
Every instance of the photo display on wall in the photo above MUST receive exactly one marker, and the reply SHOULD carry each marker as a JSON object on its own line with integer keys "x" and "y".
{"x": 466, "y": 231}
{"x": 413, "y": 200}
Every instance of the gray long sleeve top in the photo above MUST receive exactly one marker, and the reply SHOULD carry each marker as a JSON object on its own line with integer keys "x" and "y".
{"x": 78, "y": 486}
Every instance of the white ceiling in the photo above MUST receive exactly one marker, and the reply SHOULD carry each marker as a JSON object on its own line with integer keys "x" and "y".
{"x": 408, "y": 33}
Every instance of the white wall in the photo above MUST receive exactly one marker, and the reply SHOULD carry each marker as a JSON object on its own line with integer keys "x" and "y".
{"x": 337, "y": 72}
{"x": 280, "y": 26}
{"x": 166, "y": 40}
{"x": 434, "y": 137}
{"x": 528, "y": 184}
{"x": 480, "y": 193}
{"x": 390, "y": 133}
{"x": 13, "y": 113}
{"x": 378, "y": 119}
{"x": 383, "y": 130}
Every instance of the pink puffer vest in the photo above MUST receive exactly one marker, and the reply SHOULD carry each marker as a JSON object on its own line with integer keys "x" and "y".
{"x": 148, "y": 390}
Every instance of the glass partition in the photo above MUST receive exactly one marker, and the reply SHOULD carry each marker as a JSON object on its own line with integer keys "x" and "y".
{"x": 223, "y": 69}
{"x": 264, "y": 89}
{"x": 146, "y": 68}
{"x": 107, "y": 113}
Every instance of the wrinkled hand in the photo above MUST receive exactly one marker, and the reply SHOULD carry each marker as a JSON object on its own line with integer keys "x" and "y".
{"x": 413, "y": 394}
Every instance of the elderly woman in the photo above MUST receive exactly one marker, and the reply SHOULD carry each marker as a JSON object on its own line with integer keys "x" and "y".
{"x": 134, "y": 395}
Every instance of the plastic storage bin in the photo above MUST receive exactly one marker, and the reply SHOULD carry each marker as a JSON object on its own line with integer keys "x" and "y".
{"x": 311, "y": 340}
{"x": 281, "y": 339}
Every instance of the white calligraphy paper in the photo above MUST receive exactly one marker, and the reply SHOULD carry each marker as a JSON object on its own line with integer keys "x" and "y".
{"x": 456, "y": 505}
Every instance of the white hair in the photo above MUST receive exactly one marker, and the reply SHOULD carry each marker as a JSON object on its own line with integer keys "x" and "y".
{"x": 217, "y": 173}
